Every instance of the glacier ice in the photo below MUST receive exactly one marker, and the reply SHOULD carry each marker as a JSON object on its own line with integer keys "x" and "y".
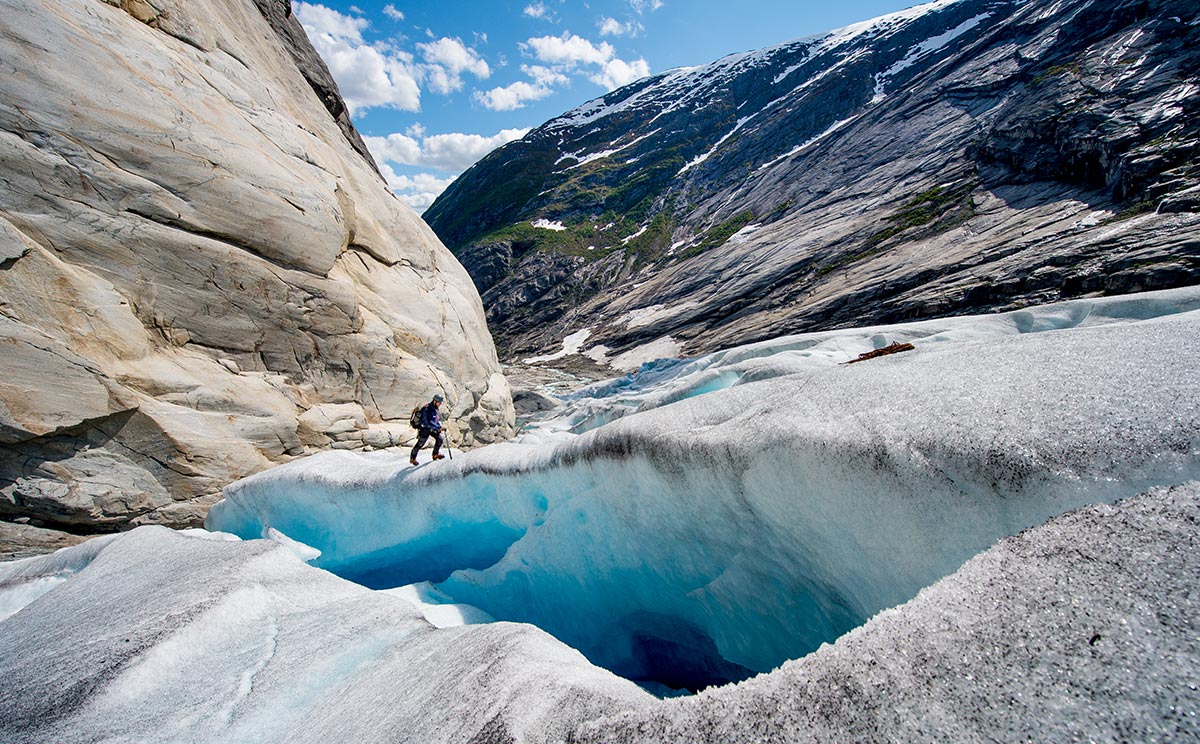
{"x": 758, "y": 502}
{"x": 1079, "y": 630}
{"x": 157, "y": 636}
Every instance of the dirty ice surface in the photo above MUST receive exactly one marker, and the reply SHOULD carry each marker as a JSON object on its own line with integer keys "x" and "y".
{"x": 706, "y": 519}
{"x": 159, "y": 636}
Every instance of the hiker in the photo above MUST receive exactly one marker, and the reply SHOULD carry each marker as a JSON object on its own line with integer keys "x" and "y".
{"x": 431, "y": 426}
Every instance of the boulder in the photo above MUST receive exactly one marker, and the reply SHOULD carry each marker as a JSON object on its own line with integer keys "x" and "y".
{"x": 382, "y": 436}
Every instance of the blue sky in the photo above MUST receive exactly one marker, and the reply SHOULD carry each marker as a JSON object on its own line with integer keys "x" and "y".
{"x": 434, "y": 86}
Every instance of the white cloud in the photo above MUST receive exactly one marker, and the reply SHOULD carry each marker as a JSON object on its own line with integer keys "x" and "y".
{"x": 542, "y": 82}
{"x": 452, "y": 152}
{"x": 367, "y": 75}
{"x": 317, "y": 19}
{"x": 417, "y": 191}
{"x": 380, "y": 74}
{"x": 390, "y": 11}
{"x": 613, "y": 27}
{"x": 618, "y": 72}
{"x": 513, "y": 96}
{"x": 567, "y": 53}
{"x": 545, "y": 75}
{"x": 569, "y": 49}
{"x": 447, "y": 59}
{"x": 454, "y": 55}
{"x": 641, "y": 6}
{"x": 537, "y": 10}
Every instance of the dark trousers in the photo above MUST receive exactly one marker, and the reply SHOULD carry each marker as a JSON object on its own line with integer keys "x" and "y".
{"x": 423, "y": 436}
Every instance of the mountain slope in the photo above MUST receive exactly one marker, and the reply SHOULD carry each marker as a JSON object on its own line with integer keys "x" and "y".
{"x": 956, "y": 157}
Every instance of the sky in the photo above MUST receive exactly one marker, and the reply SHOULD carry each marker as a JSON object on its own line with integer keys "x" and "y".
{"x": 435, "y": 86}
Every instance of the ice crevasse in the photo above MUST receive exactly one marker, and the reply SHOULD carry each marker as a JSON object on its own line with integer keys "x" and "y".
{"x": 721, "y": 534}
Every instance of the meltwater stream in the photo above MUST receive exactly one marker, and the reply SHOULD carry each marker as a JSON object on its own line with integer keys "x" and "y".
{"x": 702, "y": 540}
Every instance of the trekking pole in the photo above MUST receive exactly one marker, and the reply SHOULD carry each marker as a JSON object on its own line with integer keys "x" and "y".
{"x": 449, "y": 442}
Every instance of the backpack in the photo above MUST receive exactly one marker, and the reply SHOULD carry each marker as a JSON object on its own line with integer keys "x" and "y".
{"x": 414, "y": 419}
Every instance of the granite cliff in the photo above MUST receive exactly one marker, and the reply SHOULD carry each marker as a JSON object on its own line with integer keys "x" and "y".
{"x": 202, "y": 273}
{"x": 962, "y": 156}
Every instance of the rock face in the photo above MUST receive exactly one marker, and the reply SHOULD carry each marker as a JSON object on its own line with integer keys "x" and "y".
{"x": 201, "y": 272}
{"x": 966, "y": 156}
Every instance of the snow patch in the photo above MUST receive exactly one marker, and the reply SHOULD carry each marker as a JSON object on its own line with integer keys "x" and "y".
{"x": 571, "y": 345}
{"x": 662, "y": 348}
{"x": 741, "y": 235}
{"x": 644, "y": 315}
{"x": 806, "y": 144}
{"x": 918, "y": 51}
{"x": 545, "y": 224}
{"x": 641, "y": 231}
{"x": 701, "y": 158}
{"x": 598, "y": 354}
{"x": 841, "y": 36}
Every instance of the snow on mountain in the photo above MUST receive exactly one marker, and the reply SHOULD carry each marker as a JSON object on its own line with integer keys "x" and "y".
{"x": 766, "y": 500}
{"x": 934, "y": 162}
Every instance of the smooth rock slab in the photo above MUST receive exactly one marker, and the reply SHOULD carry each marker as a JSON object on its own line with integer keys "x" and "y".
{"x": 194, "y": 254}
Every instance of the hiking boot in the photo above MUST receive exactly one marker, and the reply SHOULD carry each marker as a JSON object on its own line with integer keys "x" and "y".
{"x": 412, "y": 460}
{"x": 439, "y": 457}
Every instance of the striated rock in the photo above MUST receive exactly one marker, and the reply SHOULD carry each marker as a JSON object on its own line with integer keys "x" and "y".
{"x": 382, "y": 436}
{"x": 488, "y": 263}
{"x": 25, "y": 540}
{"x": 321, "y": 424}
{"x": 963, "y": 157}
{"x": 199, "y": 266}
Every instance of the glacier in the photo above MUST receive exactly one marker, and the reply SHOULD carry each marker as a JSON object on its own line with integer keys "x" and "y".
{"x": 704, "y": 520}
{"x": 1082, "y": 629}
{"x": 162, "y": 636}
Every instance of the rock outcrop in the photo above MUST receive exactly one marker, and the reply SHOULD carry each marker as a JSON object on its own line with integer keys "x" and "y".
{"x": 201, "y": 272}
{"x": 957, "y": 157}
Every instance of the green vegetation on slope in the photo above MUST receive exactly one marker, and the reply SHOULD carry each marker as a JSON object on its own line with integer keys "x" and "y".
{"x": 937, "y": 210}
{"x": 718, "y": 235}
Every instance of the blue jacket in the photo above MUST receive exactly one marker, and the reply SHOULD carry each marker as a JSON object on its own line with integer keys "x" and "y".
{"x": 429, "y": 418}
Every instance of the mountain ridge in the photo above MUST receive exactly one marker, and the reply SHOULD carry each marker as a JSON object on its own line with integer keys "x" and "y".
{"x": 833, "y": 202}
